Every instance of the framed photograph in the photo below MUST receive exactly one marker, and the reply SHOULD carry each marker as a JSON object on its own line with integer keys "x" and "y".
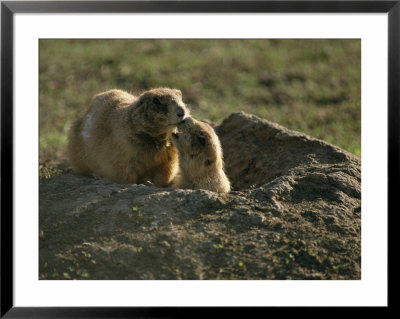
{"x": 161, "y": 156}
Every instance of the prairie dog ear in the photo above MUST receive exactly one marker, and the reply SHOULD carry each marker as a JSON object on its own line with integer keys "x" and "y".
{"x": 178, "y": 92}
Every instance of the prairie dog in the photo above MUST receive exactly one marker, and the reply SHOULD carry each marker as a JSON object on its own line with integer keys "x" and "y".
{"x": 127, "y": 139}
{"x": 200, "y": 157}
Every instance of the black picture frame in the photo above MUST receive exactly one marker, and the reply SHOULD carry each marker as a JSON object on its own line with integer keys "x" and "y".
{"x": 9, "y": 8}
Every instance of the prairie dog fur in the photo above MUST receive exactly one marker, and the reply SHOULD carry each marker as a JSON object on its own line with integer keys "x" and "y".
{"x": 200, "y": 157}
{"x": 127, "y": 138}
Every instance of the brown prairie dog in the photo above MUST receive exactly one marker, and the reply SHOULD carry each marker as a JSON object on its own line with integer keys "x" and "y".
{"x": 200, "y": 157}
{"x": 127, "y": 139}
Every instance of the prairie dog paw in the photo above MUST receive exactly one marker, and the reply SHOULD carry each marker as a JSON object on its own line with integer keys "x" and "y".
{"x": 148, "y": 183}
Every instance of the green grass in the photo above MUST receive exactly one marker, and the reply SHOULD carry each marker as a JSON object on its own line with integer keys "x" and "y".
{"x": 313, "y": 86}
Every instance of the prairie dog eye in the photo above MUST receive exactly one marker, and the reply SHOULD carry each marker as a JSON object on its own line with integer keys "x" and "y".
{"x": 159, "y": 107}
{"x": 208, "y": 162}
{"x": 202, "y": 140}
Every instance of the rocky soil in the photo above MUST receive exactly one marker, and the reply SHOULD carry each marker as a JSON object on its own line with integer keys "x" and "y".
{"x": 294, "y": 213}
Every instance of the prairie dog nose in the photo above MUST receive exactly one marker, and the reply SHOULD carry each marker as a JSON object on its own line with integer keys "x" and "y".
{"x": 180, "y": 112}
{"x": 185, "y": 122}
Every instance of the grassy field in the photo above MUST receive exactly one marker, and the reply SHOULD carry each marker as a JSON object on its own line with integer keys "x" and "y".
{"x": 312, "y": 86}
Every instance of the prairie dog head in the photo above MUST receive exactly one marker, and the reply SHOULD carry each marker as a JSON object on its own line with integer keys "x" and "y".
{"x": 199, "y": 147}
{"x": 162, "y": 108}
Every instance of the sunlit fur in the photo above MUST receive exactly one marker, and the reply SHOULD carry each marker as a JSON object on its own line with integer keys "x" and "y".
{"x": 201, "y": 164}
{"x": 127, "y": 139}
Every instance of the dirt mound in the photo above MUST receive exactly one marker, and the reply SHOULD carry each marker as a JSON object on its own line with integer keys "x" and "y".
{"x": 294, "y": 214}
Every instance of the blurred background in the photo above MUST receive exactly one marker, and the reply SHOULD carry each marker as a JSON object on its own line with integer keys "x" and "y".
{"x": 312, "y": 86}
